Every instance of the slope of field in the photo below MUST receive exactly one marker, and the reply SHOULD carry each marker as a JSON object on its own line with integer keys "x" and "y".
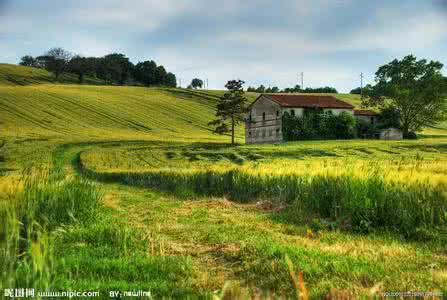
{"x": 14, "y": 75}
{"x": 98, "y": 112}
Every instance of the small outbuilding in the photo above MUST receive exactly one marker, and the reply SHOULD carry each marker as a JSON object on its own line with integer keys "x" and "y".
{"x": 391, "y": 134}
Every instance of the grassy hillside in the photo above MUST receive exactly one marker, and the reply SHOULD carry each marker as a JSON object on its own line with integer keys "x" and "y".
{"x": 135, "y": 192}
{"x": 96, "y": 112}
{"x": 14, "y": 75}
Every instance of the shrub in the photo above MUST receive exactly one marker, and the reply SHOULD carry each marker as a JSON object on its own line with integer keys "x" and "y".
{"x": 318, "y": 125}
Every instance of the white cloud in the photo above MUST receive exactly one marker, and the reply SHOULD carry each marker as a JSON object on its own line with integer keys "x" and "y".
{"x": 133, "y": 15}
{"x": 397, "y": 34}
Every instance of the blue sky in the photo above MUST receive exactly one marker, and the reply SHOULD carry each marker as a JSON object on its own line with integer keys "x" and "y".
{"x": 261, "y": 42}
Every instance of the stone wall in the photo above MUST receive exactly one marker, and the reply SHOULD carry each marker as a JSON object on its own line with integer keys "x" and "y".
{"x": 263, "y": 122}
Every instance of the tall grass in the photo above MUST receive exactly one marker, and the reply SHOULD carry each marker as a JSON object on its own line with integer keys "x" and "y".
{"x": 54, "y": 234}
{"x": 368, "y": 202}
{"x": 29, "y": 214}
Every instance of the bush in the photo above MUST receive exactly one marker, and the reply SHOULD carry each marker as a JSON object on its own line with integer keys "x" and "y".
{"x": 410, "y": 135}
{"x": 366, "y": 129}
{"x": 318, "y": 125}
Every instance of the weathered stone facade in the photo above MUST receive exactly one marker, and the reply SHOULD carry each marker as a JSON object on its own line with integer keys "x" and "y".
{"x": 263, "y": 122}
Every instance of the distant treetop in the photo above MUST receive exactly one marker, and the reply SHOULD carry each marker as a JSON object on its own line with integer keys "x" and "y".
{"x": 114, "y": 68}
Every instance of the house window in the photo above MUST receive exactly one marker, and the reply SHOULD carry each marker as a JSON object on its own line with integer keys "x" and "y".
{"x": 249, "y": 133}
{"x": 277, "y": 113}
{"x": 249, "y": 117}
{"x": 292, "y": 112}
{"x": 277, "y": 131}
{"x": 372, "y": 120}
{"x": 263, "y": 116}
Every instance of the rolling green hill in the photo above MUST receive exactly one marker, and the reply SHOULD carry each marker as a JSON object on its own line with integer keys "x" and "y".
{"x": 13, "y": 75}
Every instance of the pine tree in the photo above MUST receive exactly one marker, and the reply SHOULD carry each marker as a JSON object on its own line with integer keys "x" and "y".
{"x": 230, "y": 109}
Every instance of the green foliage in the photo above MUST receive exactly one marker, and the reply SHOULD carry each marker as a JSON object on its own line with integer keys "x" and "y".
{"x": 365, "y": 129}
{"x": 326, "y": 89}
{"x": 149, "y": 73}
{"x": 389, "y": 117}
{"x": 295, "y": 89}
{"x": 318, "y": 125}
{"x": 196, "y": 83}
{"x": 55, "y": 60}
{"x": 28, "y": 61}
{"x": 413, "y": 87}
{"x": 231, "y": 107}
{"x": 82, "y": 66}
{"x": 112, "y": 68}
{"x": 358, "y": 91}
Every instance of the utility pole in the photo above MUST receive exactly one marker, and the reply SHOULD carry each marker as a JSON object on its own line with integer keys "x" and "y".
{"x": 302, "y": 81}
{"x": 361, "y": 85}
{"x": 180, "y": 82}
{"x": 207, "y": 86}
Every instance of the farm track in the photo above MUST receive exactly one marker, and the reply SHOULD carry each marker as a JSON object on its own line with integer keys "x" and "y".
{"x": 208, "y": 259}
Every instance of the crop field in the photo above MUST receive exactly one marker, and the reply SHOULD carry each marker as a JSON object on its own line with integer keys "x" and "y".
{"x": 126, "y": 188}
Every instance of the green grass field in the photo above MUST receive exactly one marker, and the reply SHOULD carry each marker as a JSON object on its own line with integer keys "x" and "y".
{"x": 126, "y": 188}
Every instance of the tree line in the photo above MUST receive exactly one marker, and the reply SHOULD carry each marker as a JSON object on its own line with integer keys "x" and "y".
{"x": 295, "y": 89}
{"x": 113, "y": 68}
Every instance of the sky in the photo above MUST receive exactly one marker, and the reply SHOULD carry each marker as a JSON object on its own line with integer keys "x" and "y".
{"x": 261, "y": 42}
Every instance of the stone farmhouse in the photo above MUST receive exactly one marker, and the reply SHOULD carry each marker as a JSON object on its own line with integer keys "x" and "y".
{"x": 264, "y": 120}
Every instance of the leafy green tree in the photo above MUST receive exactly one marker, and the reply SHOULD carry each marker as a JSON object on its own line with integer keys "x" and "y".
{"x": 55, "y": 61}
{"x": 344, "y": 126}
{"x": 160, "y": 75}
{"x": 358, "y": 90}
{"x": 171, "y": 80}
{"x": 295, "y": 89}
{"x": 81, "y": 66}
{"x": 115, "y": 67}
{"x": 144, "y": 72}
{"x": 416, "y": 88}
{"x": 231, "y": 108}
{"x": 260, "y": 89}
{"x": 28, "y": 61}
{"x": 196, "y": 83}
{"x": 326, "y": 89}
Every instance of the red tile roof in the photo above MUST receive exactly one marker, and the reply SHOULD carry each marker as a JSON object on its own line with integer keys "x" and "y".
{"x": 364, "y": 112}
{"x": 322, "y": 101}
